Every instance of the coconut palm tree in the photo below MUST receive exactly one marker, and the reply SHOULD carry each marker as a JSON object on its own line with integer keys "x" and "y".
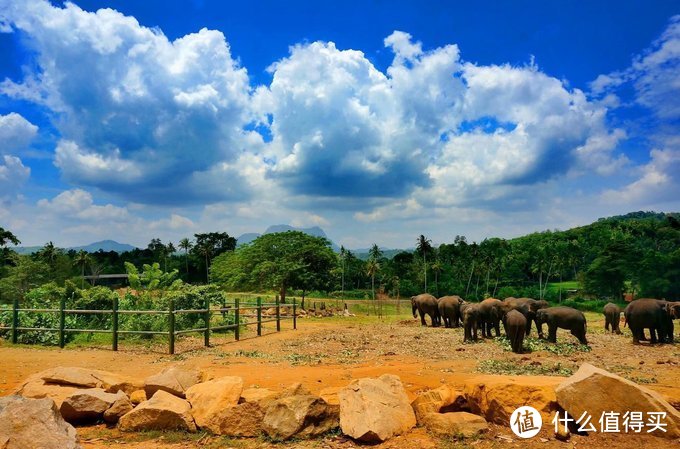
{"x": 424, "y": 246}
{"x": 372, "y": 267}
{"x": 436, "y": 268}
{"x": 343, "y": 256}
{"x": 81, "y": 260}
{"x": 186, "y": 245}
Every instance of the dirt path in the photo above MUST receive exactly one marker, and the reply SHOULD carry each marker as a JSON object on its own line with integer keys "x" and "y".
{"x": 332, "y": 352}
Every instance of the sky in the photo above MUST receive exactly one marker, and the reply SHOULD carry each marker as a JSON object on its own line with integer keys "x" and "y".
{"x": 375, "y": 120}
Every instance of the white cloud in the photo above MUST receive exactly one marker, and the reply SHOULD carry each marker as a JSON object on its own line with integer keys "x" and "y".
{"x": 16, "y": 133}
{"x": 79, "y": 204}
{"x": 13, "y": 174}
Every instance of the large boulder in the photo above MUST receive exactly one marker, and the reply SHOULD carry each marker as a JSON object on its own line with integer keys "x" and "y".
{"x": 496, "y": 397}
{"x": 34, "y": 423}
{"x": 595, "y": 391}
{"x": 87, "y": 406}
{"x": 257, "y": 395}
{"x": 89, "y": 378}
{"x": 36, "y": 388}
{"x": 245, "y": 418}
{"x": 373, "y": 410}
{"x": 174, "y": 380}
{"x": 207, "y": 399}
{"x": 455, "y": 424}
{"x": 439, "y": 400}
{"x": 302, "y": 416}
{"x": 163, "y": 411}
{"x": 120, "y": 408}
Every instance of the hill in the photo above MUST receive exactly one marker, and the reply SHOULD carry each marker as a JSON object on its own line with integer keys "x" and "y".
{"x": 104, "y": 245}
{"x": 314, "y": 231}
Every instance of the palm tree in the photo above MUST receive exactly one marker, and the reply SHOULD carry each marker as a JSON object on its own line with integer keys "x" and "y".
{"x": 206, "y": 250}
{"x": 424, "y": 245}
{"x": 436, "y": 268}
{"x": 49, "y": 253}
{"x": 186, "y": 245}
{"x": 372, "y": 267}
{"x": 81, "y": 260}
{"x": 343, "y": 256}
{"x": 168, "y": 250}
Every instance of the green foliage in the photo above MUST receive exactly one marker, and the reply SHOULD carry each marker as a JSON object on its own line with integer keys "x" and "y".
{"x": 509, "y": 367}
{"x": 538, "y": 344}
{"x": 152, "y": 277}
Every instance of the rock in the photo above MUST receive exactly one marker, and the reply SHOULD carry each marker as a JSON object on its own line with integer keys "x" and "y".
{"x": 89, "y": 378}
{"x": 294, "y": 390}
{"x": 87, "y": 406}
{"x": 302, "y": 416}
{"x": 455, "y": 424}
{"x": 439, "y": 400}
{"x": 330, "y": 395}
{"x": 173, "y": 380}
{"x": 137, "y": 397}
{"x": 121, "y": 407}
{"x": 163, "y": 411}
{"x": 496, "y": 397}
{"x": 373, "y": 410}
{"x": 242, "y": 420}
{"x": 34, "y": 423}
{"x": 36, "y": 388}
{"x": 595, "y": 391}
{"x": 208, "y": 398}
{"x": 257, "y": 395}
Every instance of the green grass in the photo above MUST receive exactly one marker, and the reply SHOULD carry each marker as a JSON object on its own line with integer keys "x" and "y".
{"x": 566, "y": 285}
{"x": 510, "y": 367}
{"x": 536, "y": 344}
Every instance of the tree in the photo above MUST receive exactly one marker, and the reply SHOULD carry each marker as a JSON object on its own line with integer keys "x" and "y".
{"x": 280, "y": 261}
{"x": 186, "y": 245}
{"x": 424, "y": 246}
{"x": 7, "y": 237}
{"x": 436, "y": 268}
{"x": 212, "y": 244}
{"x": 81, "y": 260}
{"x": 343, "y": 257}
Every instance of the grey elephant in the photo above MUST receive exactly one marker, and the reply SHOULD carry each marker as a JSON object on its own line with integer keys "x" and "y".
{"x": 470, "y": 316}
{"x": 652, "y": 314}
{"x": 564, "y": 318}
{"x": 426, "y": 304}
{"x": 515, "y": 324}
{"x": 449, "y": 310}
{"x": 490, "y": 314}
{"x": 612, "y": 317}
{"x": 528, "y": 307}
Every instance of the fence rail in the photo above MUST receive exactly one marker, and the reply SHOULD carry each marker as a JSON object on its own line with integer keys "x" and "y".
{"x": 171, "y": 313}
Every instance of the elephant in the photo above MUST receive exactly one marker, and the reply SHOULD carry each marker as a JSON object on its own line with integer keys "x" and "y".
{"x": 564, "y": 318}
{"x": 449, "y": 310}
{"x": 612, "y": 317}
{"x": 652, "y": 314}
{"x": 426, "y": 304}
{"x": 490, "y": 314}
{"x": 470, "y": 316}
{"x": 531, "y": 305}
{"x": 515, "y": 324}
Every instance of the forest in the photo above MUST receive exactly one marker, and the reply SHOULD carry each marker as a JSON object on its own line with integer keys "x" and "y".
{"x": 636, "y": 253}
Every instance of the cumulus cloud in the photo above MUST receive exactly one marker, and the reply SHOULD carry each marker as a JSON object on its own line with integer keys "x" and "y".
{"x": 16, "y": 133}
{"x": 79, "y": 204}
{"x": 136, "y": 111}
{"x": 13, "y": 174}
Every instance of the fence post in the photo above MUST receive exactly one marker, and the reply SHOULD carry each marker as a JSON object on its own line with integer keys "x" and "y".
{"x": 237, "y": 318}
{"x": 294, "y": 314}
{"x": 278, "y": 316}
{"x": 171, "y": 322}
{"x": 259, "y": 316}
{"x": 208, "y": 315}
{"x": 115, "y": 323}
{"x": 62, "y": 321}
{"x": 15, "y": 319}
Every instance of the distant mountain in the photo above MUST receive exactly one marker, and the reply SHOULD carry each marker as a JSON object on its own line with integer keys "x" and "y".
{"x": 315, "y": 231}
{"x": 104, "y": 245}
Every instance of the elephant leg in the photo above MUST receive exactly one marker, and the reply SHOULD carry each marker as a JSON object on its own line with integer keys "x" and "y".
{"x": 606, "y": 324}
{"x": 652, "y": 335}
{"x": 422, "y": 318}
{"x": 528, "y": 330}
{"x": 497, "y": 326}
{"x": 474, "y": 331}
{"x": 581, "y": 335}
{"x": 552, "y": 333}
{"x": 636, "y": 334}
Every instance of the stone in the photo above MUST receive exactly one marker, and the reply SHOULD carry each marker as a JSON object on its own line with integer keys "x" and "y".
{"x": 257, "y": 395}
{"x": 241, "y": 420}
{"x": 455, "y": 424}
{"x": 496, "y": 397}
{"x": 174, "y": 380}
{"x": 207, "y": 399}
{"x": 373, "y": 410}
{"x": 300, "y": 416}
{"x": 36, "y": 388}
{"x": 595, "y": 391}
{"x": 137, "y": 397}
{"x": 330, "y": 395}
{"x": 89, "y": 378}
{"x": 163, "y": 411}
{"x": 34, "y": 423}
{"x": 87, "y": 406}
{"x": 439, "y": 400}
{"x": 121, "y": 407}
{"x": 293, "y": 390}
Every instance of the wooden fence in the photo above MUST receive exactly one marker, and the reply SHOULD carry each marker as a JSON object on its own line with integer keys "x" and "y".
{"x": 238, "y": 311}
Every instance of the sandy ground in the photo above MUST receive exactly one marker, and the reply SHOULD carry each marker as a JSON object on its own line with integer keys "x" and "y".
{"x": 331, "y": 352}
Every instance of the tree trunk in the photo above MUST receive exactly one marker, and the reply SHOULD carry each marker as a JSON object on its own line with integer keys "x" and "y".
{"x": 472, "y": 269}
{"x": 282, "y": 294}
{"x": 425, "y": 268}
{"x": 207, "y": 269}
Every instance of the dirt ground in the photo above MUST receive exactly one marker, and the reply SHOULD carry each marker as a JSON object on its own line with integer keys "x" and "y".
{"x": 330, "y": 352}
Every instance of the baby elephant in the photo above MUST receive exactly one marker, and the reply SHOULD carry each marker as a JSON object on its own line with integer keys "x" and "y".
{"x": 612, "y": 317}
{"x": 470, "y": 314}
{"x": 564, "y": 318}
{"x": 515, "y": 328}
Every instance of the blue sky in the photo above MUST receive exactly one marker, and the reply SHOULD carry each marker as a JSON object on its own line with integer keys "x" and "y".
{"x": 377, "y": 121}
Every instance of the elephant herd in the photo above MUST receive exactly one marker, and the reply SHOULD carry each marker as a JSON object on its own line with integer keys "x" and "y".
{"x": 517, "y": 314}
